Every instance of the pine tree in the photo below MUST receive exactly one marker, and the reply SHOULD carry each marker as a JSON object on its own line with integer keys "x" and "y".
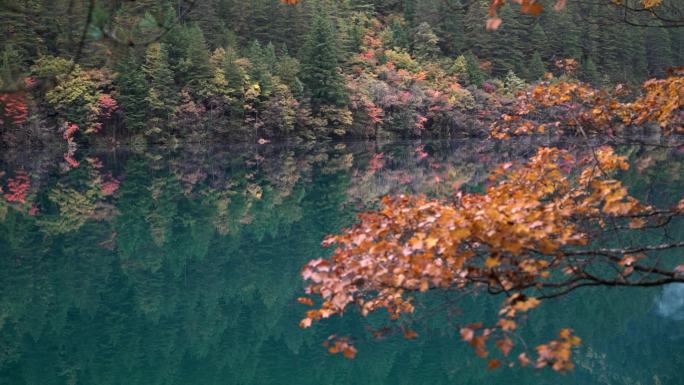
{"x": 513, "y": 83}
{"x": 563, "y": 33}
{"x": 320, "y": 75}
{"x": 507, "y": 53}
{"x": 450, "y": 29}
{"x": 536, "y": 68}
{"x": 400, "y": 34}
{"x": 539, "y": 42}
{"x": 475, "y": 74}
{"x": 409, "y": 9}
{"x": 287, "y": 69}
{"x": 161, "y": 96}
{"x": 589, "y": 73}
{"x": 270, "y": 57}
{"x": 132, "y": 92}
{"x": 658, "y": 51}
{"x": 194, "y": 67}
{"x": 206, "y": 14}
{"x": 477, "y": 40}
{"x": 259, "y": 70}
{"x": 460, "y": 66}
{"x": 425, "y": 42}
{"x": 677, "y": 41}
{"x": 235, "y": 72}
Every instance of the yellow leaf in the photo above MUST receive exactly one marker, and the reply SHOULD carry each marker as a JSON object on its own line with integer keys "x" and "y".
{"x": 431, "y": 242}
{"x": 651, "y": 3}
{"x": 492, "y": 262}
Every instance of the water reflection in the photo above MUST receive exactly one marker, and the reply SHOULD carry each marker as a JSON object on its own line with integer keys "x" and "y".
{"x": 671, "y": 302}
{"x": 181, "y": 266}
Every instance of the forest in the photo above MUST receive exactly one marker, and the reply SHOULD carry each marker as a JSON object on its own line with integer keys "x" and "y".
{"x": 163, "y": 71}
{"x": 439, "y": 191}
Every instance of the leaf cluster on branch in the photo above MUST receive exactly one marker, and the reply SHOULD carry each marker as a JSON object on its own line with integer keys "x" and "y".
{"x": 532, "y": 235}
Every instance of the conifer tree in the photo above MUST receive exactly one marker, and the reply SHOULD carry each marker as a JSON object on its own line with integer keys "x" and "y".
{"x": 132, "y": 92}
{"x": 475, "y": 74}
{"x": 206, "y": 14}
{"x": 658, "y": 51}
{"x": 507, "y": 50}
{"x": 320, "y": 71}
{"x": 400, "y": 34}
{"x": 589, "y": 73}
{"x": 425, "y": 42}
{"x": 539, "y": 42}
{"x": 536, "y": 68}
{"x": 450, "y": 30}
{"x": 161, "y": 96}
{"x": 563, "y": 33}
{"x": 194, "y": 67}
{"x": 259, "y": 71}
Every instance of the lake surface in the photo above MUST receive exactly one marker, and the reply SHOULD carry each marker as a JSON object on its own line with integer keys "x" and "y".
{"x": 181, "y": 266}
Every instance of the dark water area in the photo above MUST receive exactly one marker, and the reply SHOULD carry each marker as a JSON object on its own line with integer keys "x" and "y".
{"x": 181, "y": 266}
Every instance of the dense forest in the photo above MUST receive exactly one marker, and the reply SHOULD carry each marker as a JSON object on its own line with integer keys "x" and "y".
{"x": 166, "y": 70}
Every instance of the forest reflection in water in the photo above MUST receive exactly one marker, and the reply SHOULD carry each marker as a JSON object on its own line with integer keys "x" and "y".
{"x": 181, "y": 266}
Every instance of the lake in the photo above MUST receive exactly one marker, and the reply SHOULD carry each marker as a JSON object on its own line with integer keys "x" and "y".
{"x": 181, "y": 266}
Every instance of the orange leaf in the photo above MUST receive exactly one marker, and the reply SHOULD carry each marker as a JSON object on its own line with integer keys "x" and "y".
{"x": 507, "y": 324}
{"x": 504, "y": 345}
{"x": 349, "y": 352}
{"x": 493, "y": 363}
{"x": 410, "y": 334}
{"x": 524, "y": 361}
{"x": 527, "y": 304}
{"x": 533, "y": 9}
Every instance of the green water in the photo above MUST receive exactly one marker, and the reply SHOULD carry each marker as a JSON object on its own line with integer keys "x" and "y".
{"x": 188, "y": 272}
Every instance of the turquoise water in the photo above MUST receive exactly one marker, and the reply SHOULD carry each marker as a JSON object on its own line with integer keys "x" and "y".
{"x": 187, "y": 272}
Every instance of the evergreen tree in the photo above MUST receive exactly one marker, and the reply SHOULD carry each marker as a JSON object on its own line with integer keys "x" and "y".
{"x": 206, "y": 14}
{"x": 161, "y": 96}
{"x": 400, "y": 34}
{"x": 132, "y": 92}
{"x": 235, "y": 73}
{"x": 409, "y": 8}
{"x": 425, "y": 42}
{"x": 658, "y": 51}
{"x": 677, "y": 41}
{"x": 539, "y": 43}
{"x": 287, "y": 69}
{"x": 270, "y": 57}
{"x": 536, "y": 68}
{"x": 259, "y": 70}
{"x": 589, "y": 73}
{"x": 194, "y": 67}
{"x": 513, "y": 83}
{"x": 477, "y": 39}
{"x": 460, "y": 66}
{"x": 475, "y": 74}
{"x": 507, "y": 50}
{"x": 563, "y": 33}
{"x": 450, "y": 30}
{"x": 320, "y": 72}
